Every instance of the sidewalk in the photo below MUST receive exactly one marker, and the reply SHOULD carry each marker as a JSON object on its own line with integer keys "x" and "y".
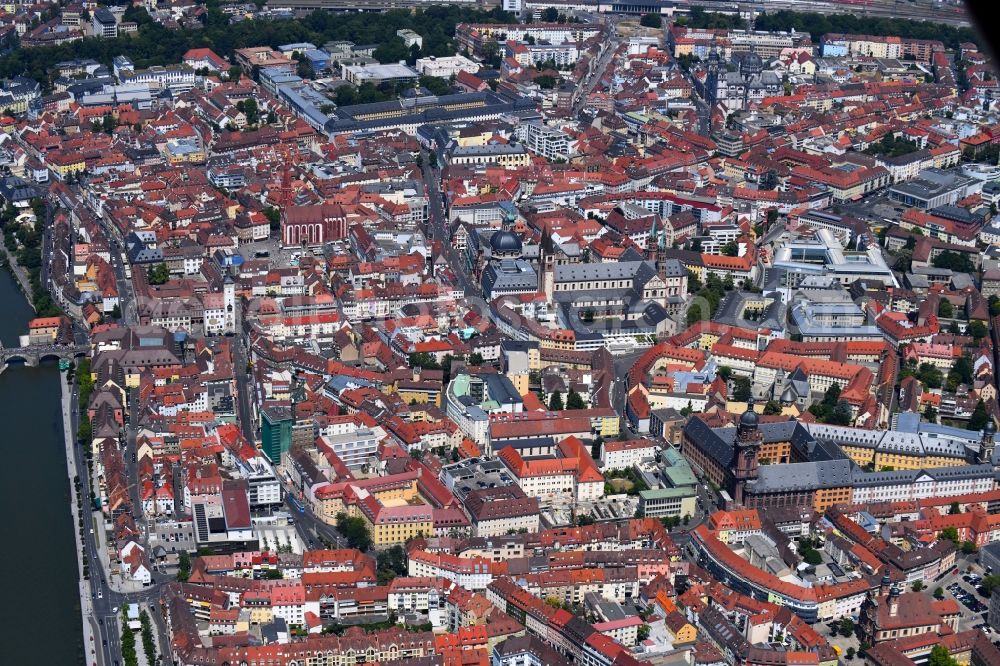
{"x": 90, "y": 633}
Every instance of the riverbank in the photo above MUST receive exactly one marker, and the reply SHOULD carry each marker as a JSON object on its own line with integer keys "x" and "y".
{"x": 20, "y": 275}
{"x": 72, "y": 470}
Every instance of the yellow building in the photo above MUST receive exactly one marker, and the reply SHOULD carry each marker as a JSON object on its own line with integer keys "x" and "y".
{"x": 65, "y": 164}
{"x": 859, "y": 454}
{"x": 397, "y": 524}
{"x": 912, "y": 457}
{"x": 885, "y": 459}
{"x": 682, "y": 631}
{"x": 418, "y": 392}
{"x": 827, "y": 497}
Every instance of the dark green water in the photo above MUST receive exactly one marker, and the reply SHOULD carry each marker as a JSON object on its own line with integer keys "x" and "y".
{"x": 41, "y": 614}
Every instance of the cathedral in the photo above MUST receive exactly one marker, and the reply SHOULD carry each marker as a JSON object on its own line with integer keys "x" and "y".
{"x": 737, "y": 90}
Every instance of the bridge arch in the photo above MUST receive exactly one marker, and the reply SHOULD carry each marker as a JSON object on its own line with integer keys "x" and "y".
{"x": 50, "y": 356}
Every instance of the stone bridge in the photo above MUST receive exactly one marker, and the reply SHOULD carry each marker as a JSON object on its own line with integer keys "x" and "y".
{"x": 32, "y": 355}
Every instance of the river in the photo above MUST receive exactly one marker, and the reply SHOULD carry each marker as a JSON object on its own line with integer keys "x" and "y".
{"x": 40, "y": 616}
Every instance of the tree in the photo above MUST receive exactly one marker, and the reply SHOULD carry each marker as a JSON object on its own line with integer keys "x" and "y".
{"x": 941, "y": 657}
{"x": 116, "y": 312}
{"x": 642, "y": 633}
{"x": 128, "y": 640}
{"x": 955, "y": 509}
{"x": 346, "y": 95}
{"x": 930, "y": 375}
{"x": 148, "y": 642}
{"x": 595, "y": 448}
{"x": 946, "y": 309}
{"x": 475, "y": 358}
{"x": 390, "y": 563}
{"x": 731, "y": 249}
{"x": 414, "y": 55}
{"x": 772, "y": 407}
{"x": 725, "y": 372}
{"x": 850, "y": 653}
{"x": 979, "y": 417}
{"x": 424, "y": 360}
{"x": 812, "y": 557}
{"x": 304, "y": 69}
{"x": 556, "y": 402}
{"x": 435, "y": 84}
{"x": 832, "y": 395}
{"x": 846, "y": 627}
{"x": 183, "y": 566}
{"x": 545, "y": 81}
{"x": 842, "y": 414}
{"x": 355, "y": 531}
{"x": 550, "y": 15}
{"x": 158, "y": 274}
{"x": 989, "y": 583}
{"x": 249, "y": 109}
{"x": 949, "y": 533}
{"x": 651, "y": 21}
{"x": 741, "y": 392}
{"x": 273, "y": 216}
{"x": 969, "y": 547}
{"x": 978, "y": 330}
{"x": 918, "y": 585}
{"x": 491, "y": 53}
{"x": 574, "y": 401}
{"x": 956, "y": 261}
{"x": 963, "y": 368}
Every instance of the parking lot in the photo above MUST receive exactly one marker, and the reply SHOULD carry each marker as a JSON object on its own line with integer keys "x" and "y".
{"x": 966, "y": 590}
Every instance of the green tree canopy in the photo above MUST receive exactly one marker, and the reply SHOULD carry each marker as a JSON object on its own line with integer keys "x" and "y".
{"x": 651, "y": 21}
{"x": 946, "y": 309}
{"x": 949, "y": 533}
{"x": 574, "y": 401}
{"x": 978, "y": 330}
{"x": 355, "y": 530}
{"x": 158, "y": 274}
{"x": 979, "y": 417}
{"x": 741, "y": 392}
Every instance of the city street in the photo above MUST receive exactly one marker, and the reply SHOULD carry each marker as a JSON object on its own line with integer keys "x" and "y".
{"x": 439, "y": 226}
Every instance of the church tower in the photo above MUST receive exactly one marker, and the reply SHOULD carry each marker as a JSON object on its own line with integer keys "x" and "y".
{"x": 229, "y": 303}
{"x": 986, "y": 444}
{"x": 746, "y": 453}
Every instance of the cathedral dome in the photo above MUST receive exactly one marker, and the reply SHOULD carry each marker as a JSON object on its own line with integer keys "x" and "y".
{"x": 751, "y": 65}
{"x": 505, "y": 242}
